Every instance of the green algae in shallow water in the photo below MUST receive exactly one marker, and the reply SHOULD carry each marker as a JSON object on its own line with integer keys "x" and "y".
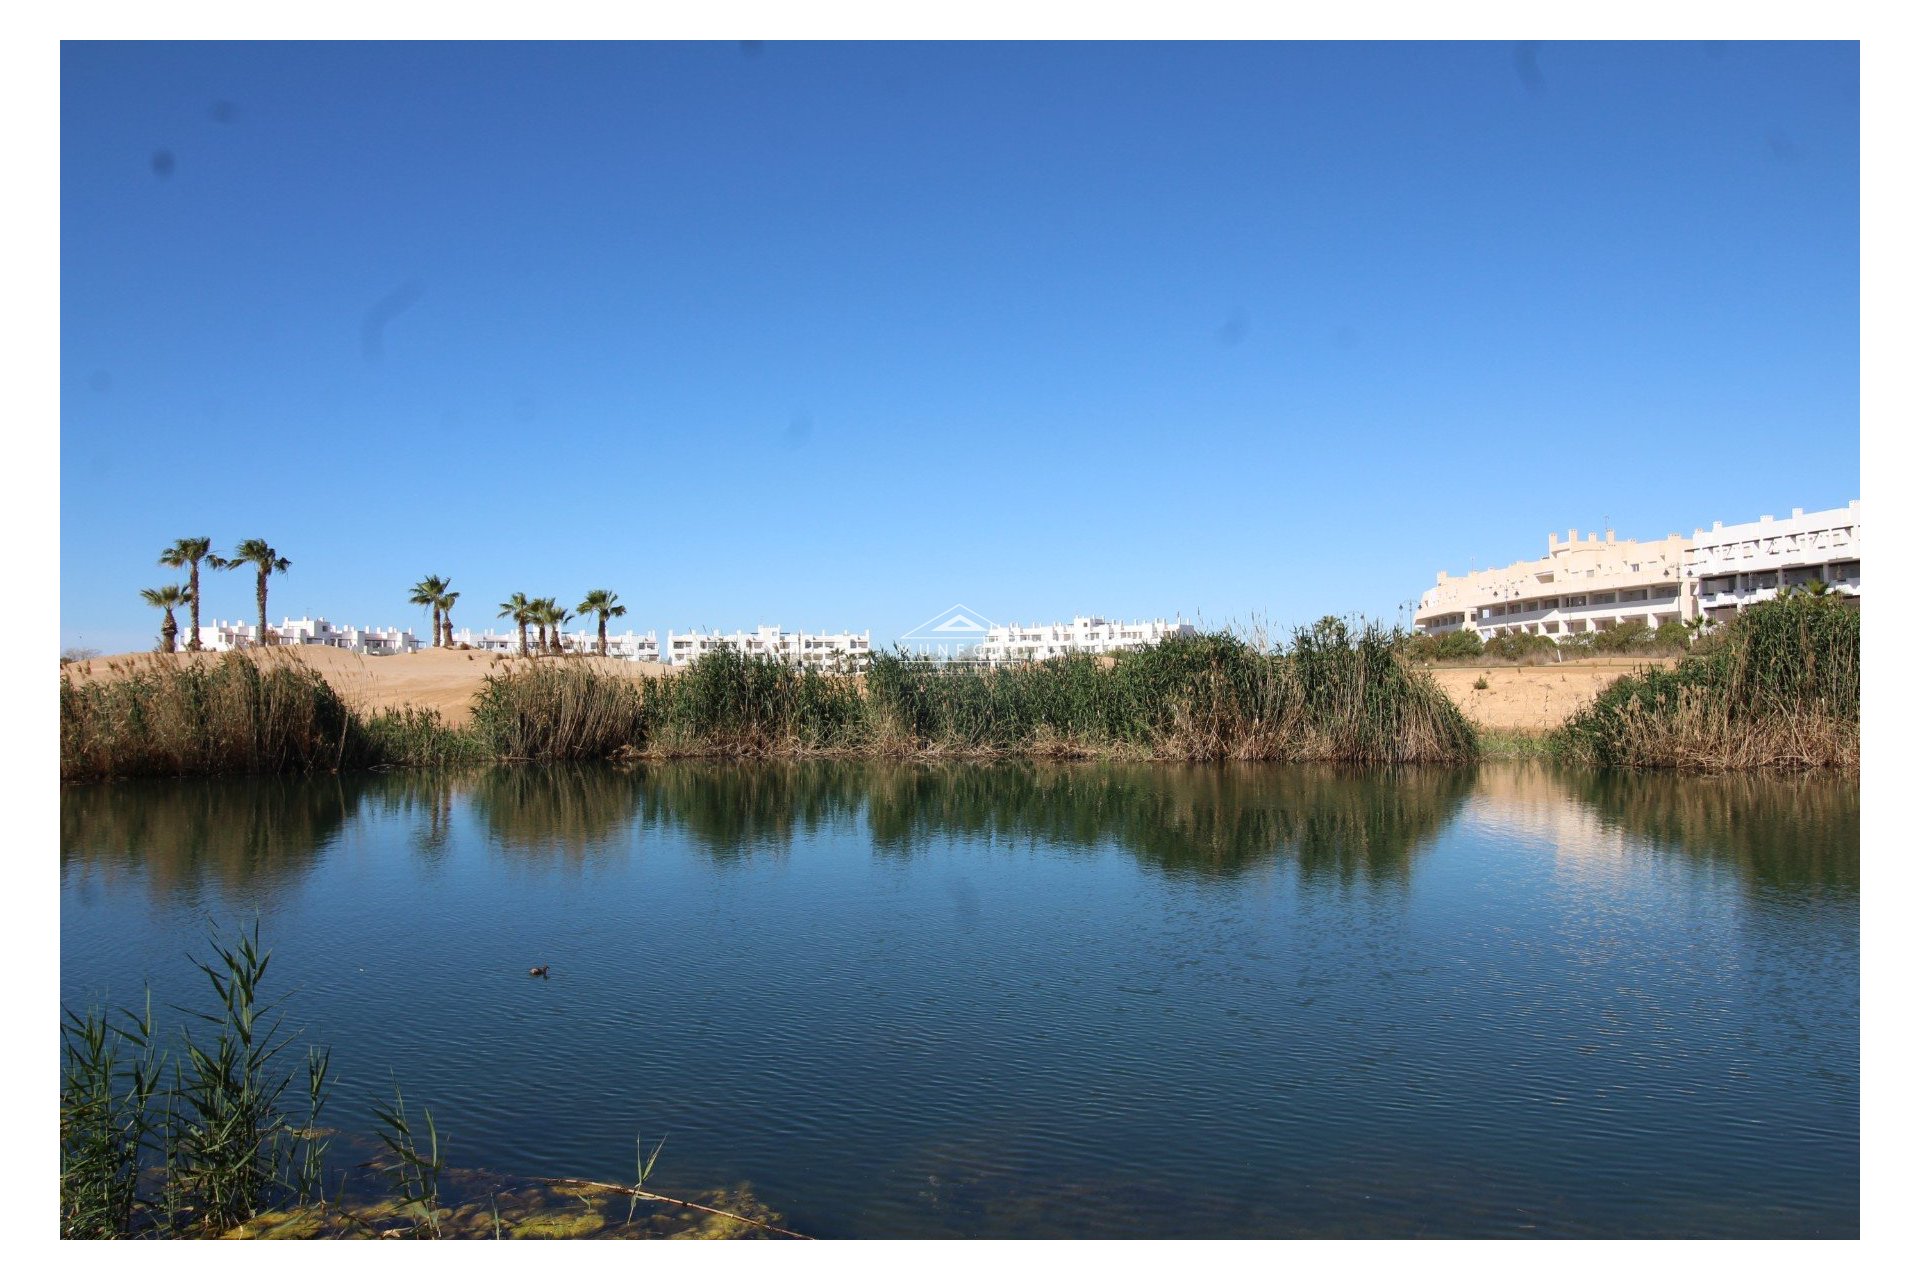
{"x": 306, "y": 1223}
{"x": 525, "y": 1211}
{"x": 559, "y": 1226}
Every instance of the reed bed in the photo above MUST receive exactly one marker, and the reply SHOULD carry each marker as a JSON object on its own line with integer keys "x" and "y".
{"x": 237, "y": 715}
{"x": 557, "y": 711}
{"x": 1780, "y": 690}
{"x": 1332, "y": 695}
{"x": 418, "y": 737}
{"x": 729, "y": 703}
{"x": 244, "y": 713}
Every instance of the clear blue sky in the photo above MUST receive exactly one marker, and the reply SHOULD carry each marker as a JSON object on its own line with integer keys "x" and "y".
{"x": 836, "y": 336}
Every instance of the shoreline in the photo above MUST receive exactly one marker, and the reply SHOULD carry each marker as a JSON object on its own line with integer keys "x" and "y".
{"x": 1522, "y": 697}
{"x": 1334, "y": 698}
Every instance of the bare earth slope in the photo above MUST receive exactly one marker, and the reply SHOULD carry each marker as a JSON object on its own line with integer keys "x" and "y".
{"x": 442, "y": 679}
{"x": 1533, "y": 699}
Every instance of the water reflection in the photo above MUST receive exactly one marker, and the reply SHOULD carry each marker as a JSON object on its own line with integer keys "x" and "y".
{"x": 731, "y": 810}
{"x": 1777, "y": 832}
{"x": 1774, "y": 831}
{"x": 251, "y": 836}
{"x": 936, "y": 999}
{"x": 573, "y": 811}
{"x": 1185, "y": 821}
{"x": 1214, "y": 820}
{"x": 423, "y": 802}
{"x": 1204, "y": 821}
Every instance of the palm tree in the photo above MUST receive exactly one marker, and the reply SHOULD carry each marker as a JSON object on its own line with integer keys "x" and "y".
{"x": 427, "y": 594}
{"x": 446, "y": 613}
{"x": 520, "y": 609}
{"x": 558, "y": 618}
{"x": 266, "y": 561}
{"x": 169, "y": 598}
{"x": 537, "y": 611}
{"x": 187, "y": 553}
{"x": 604, "y": 603}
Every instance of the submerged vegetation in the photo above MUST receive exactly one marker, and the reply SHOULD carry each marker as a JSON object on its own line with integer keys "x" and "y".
{"x": 223, "y": 1138}
{"x": 1778, "y": 687}
{"x": 1332, "y": 695}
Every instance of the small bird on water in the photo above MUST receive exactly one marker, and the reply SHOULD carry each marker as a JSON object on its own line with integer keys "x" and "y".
{"x": 538, "y": 971}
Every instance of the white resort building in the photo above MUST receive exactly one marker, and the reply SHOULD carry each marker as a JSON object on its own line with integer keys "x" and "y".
{"x": 1579, "y": 585}
{"x": 837, "y": 651}
{"x": 492, "y": 641}
{"x": 372, "y": 641}
{"x": 1732, "y": 566}
{"x": 1016, "y": 643}
{"x": 1591, "y": 584}
{"x": 630, "y": 646}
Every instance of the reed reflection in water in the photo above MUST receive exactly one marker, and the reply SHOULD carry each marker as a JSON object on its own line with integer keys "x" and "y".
{"x": 258, "y": 837}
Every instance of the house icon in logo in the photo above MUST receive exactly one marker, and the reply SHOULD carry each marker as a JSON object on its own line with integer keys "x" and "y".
{"x": 949, "y": 632}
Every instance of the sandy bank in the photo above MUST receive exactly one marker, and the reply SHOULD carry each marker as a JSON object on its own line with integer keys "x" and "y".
{"x": 1533, "y": 699}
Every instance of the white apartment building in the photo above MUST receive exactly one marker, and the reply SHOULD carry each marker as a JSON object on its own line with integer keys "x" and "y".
{"x": 491, "y": 641}
{"x": 1578, "y": 586}
{"x": 1033, "y": 642}
{"x": 630, "y": 646}
{"x": 1732, "y": 566}
{"x": 837, "y": 651}
{"x": 372, "y": 641}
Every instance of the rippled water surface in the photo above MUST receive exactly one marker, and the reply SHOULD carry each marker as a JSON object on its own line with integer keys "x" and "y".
{"x": 1085, "y": 1000}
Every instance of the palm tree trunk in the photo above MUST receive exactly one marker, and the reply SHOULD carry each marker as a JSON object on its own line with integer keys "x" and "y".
{"x": 603, "y": 635}
{"x": 542, "y": 636}
{"x": 260, "y": 599}
{"x": 446, "y": 622}
{"x": 193, "y": 585}
{"x": 168, "y": 630}
{"x": 435, "y": 625}
{"x": 523, "y": 636}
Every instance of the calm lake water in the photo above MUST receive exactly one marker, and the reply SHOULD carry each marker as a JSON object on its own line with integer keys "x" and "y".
{"x": 1021, "y": 1000}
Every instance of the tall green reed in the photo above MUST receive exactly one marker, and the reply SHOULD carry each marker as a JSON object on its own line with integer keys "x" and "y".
{"x": 211, "y": 1117}
{"x": 1778, "y": 688}
{"x": 235, "y": 1147}
{"x": 243, "y": 713}
{"x": 110, "y": 1076}
{"x": 414, "y": 1173}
